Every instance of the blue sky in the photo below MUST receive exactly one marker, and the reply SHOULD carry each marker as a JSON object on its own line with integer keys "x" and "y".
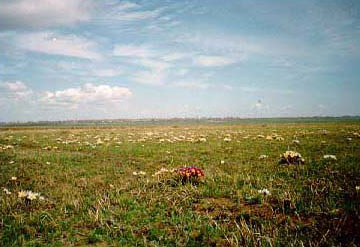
{"x": 87, "y": 59}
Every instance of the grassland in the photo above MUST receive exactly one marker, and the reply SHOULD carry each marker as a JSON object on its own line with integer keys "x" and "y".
{"x": 89, "y": 195}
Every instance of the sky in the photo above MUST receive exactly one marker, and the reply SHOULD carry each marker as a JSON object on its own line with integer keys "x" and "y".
{"x": 88, "y": 59}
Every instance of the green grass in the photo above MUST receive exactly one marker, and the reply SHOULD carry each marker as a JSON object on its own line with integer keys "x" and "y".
{"x": 92, "y": 197}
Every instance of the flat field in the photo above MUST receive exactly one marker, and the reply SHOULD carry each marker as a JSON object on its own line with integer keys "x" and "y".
{"x": 114, "y": 186}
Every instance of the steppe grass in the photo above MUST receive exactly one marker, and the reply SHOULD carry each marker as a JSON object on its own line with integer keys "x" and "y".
{"x": 91, "y": 196}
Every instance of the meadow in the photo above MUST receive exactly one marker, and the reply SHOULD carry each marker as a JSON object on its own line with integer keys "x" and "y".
{"x": 118, "y": 185}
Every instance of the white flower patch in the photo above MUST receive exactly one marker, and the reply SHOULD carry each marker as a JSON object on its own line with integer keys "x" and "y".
{"x": 140, "y": 173}
{"x": 296, "y": 141}
{"x": 330, "y": 157}
{"x": 29, "y": 195}
{"x": 202, "y": 139}
{"x": 291, "y": 157}
{"x": 265, "y": 192}
{"x": 162, "y": 171}
{"x": 6, "y": 191}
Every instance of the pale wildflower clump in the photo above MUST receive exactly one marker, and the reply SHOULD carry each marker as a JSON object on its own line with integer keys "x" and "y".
{"x": 47, "y": 148}
{"x": 6, "y": 147}
{"x": 356, "y": 134}
{"x": 32, "y": 196}
{"x": 330, "y": 157}
{"x": 263, "y": 156}
{"x": 22, "y": 194}
{"x": 296, "y": 141}
{"x": 29, "y": 195}
{"x": 265, "y": 192}
{"x": 274, "y": 137}
{"x": 160, "y": 172}
{"x": 291, "y": 157}
{"x": 140, "y": 173}
{"x": 202, "y": 139}
{"x": 7, "y": 192}
{"x": 163, "y": 171}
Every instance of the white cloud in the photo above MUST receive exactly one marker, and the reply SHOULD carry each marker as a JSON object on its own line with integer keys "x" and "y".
{"x": 213, "y": 61}
{"x": 65, "y": 45}
{"x": 321, "y": 106}
{"x": 107, "y": 72}
{"x": 173, "y": 56}
{"x": 85, "y": 69}
{"x": 15, "y": 90}
{"x": 137, "y": 15}
{"x": 156, "y": 73}
{"x": 87, "y": 93}
{"x": 132, "y": 51}
{"x": 20, "y": 14}
{"x": 153, "y": 64}
{"x": 151, "y": 77}
{"x": 128, "y": 11}
{"x": 228, "y": 87}
{"x": 156, "y": 69}
{"x": 15, "y": 86}
{"x": 126, "y": 6}
{"x": 191, "y": 84}
{"x": 236, "y": 45}
{"x": 250, "y": 89}
{"x": 142, "y": 56}
{"x": 181, "y": 71}
{"x": 147, "y": 52}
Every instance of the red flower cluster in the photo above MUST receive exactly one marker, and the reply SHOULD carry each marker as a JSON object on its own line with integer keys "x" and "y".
{"x": 190, "y": 173}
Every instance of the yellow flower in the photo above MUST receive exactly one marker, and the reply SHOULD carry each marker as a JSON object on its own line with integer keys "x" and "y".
{"x": 22, "y": 194}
